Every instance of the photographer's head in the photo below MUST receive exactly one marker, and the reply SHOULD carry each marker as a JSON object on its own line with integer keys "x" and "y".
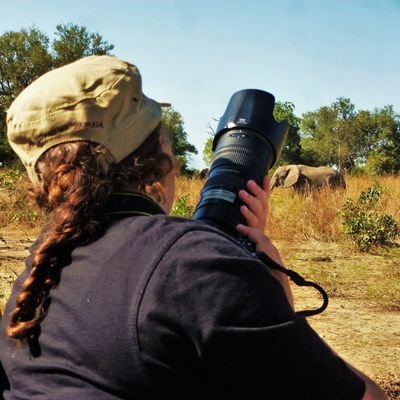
{"x": 83, "y": 131}
{"x": 97, "y": 100}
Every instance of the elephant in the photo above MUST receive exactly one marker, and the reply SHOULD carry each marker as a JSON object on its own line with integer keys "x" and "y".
{"x": 304, "y": 178}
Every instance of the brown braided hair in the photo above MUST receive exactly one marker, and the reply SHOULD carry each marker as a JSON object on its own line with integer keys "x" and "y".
{"x": 76, "y": 182}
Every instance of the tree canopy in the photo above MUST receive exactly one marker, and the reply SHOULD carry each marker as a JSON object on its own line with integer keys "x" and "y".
{"x": 173, "y": 120}
{"x": 291, "y": 152}
{"x": 29, "y": 53}
{"x": 339, "y": 135}
{"x": 207, "y": 150}
{"x": 73, "y": 42}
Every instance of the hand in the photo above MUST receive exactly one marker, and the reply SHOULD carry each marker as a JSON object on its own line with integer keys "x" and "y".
{"x": 254, "y": 211}
{"x": 255, "y": 206}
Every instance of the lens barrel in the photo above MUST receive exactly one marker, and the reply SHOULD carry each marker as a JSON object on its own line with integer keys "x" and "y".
{"x": 247, "y": 144}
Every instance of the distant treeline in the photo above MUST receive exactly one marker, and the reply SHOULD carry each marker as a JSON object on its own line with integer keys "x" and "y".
{"x": 337, "y": 135}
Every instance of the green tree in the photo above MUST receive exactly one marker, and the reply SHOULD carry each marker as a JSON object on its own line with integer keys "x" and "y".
{"x": 291, "y": 152}
{"x": 173, "y": 120}
{"x": 330, "y": 135}
{"x": 73, "y": 42}
{"x": 208, "y": 151}
{"x": 384, "y": 145}
{"x": 27, "y": 54}
{"x": 339, "y": 135}
{"x": 24, "y": 56}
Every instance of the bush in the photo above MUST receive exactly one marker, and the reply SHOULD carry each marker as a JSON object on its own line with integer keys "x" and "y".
{"x": 365, "y": 224}
{"x": 182, "y": 207}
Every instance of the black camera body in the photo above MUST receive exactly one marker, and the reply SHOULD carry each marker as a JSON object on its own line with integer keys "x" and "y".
{"x": 247, "y": 143}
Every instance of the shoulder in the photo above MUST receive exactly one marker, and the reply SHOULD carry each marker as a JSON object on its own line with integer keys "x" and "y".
{"x": 202, "y": 266}
{"x": 174, "y": 233}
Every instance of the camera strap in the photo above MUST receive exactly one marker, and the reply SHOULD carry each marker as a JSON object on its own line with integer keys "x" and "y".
{"x": 298, "y": 280}
{"x": 130, "y": 204}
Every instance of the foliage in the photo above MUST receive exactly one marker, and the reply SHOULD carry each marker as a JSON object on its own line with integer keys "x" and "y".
{"x": 173, "y": 120}
{"x": 339, "y": 135}
{"x": 182, "y": 207}
{"x": 365, "y": 224}
{"x": 208, "y": 151}
{"x": 27, "y": 54}
{"x": 73, "y": 42}
{"x": 291, "y": 151}
{"x": 384, "y": 147}
{"x": 329, "y": 134}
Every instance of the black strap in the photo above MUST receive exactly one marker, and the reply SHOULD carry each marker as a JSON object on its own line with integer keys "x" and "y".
{"x": 299, "y": 281}
{"x": 129, "y": 204}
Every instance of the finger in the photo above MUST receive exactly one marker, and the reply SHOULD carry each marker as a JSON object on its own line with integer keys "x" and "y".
{"x": 251, "y": 219}
{"x": 253, "y": 203}
{"x": 255, "y": 189}
{"x": 258, "y": 192}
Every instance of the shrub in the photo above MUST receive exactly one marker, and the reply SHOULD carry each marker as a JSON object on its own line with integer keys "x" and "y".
{"x": 182, "y": 207}
{"x": 363, "y": 221}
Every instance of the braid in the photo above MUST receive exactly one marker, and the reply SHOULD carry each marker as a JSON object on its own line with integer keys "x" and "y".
{"x": 73, "y": 190}
{"x": 77, "y": 180}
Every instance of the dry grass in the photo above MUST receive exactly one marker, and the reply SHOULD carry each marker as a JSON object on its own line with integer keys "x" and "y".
{"x": 294, "y": 218}
{"x": 313, "y": 220}
{"x": 15, "y": 207}
{"x": 291, "y": 218}
{"x": 362, "y": 319}
{"x": 312, "y": 217}
{"x": 310, "y": 229}
{"x": 189, "y": 186}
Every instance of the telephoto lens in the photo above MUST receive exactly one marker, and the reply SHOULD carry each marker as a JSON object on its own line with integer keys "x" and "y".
{"x": 247, "y": 143}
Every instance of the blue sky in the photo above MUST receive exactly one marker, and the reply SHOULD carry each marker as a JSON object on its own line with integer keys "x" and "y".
{"x": 196, "y": 53}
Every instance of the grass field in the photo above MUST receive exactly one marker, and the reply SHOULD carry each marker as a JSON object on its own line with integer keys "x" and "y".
{"x": 295, "y": 218}
{"x": 362, "y": 321}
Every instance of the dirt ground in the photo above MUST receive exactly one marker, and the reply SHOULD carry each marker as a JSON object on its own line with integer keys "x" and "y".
{"x": 360, "y": 330}
{"x": 369, "y": 339}
{"x": 363, "y": 334}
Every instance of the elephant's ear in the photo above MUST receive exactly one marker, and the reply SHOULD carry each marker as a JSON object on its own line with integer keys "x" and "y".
{"x": 292, "y": 176}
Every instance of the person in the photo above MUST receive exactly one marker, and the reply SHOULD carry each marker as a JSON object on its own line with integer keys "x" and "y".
{"x": 121, "y": 301}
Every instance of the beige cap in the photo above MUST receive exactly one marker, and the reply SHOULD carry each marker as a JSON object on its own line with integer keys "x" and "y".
{"x": 97, "y": 98}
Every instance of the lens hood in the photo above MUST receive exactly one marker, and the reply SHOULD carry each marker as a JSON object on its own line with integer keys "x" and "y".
{"x": 252, "y": 109}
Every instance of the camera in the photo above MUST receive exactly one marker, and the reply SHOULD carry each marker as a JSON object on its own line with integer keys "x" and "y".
{"x": 247, "y": 143}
